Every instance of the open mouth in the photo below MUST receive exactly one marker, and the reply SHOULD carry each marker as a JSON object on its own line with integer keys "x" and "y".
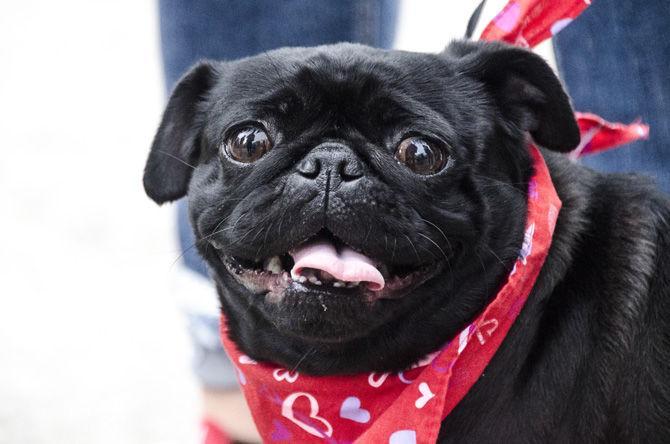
{"x": 325, "y": 264}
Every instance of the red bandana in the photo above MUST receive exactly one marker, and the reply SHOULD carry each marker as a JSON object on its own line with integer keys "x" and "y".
{"x": 406, "y": 407}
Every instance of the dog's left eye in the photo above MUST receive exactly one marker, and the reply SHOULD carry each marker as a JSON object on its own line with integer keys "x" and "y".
{"x": 421, "y": 156}
{"x": 247, "y": 144}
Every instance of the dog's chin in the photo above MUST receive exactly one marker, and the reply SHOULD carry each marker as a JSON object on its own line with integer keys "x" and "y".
{"x": 322, "y": 309}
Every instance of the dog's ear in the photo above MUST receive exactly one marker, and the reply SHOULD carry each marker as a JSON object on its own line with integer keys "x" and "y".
{"x": 175, "y": 149}
{"x": 525, "y": 88}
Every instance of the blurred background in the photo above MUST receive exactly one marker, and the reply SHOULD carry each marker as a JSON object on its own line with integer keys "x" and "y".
{"x": 93, "y": 347}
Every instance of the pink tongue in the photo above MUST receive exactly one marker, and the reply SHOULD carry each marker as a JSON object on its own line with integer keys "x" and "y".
{"x": 347, "y": 266}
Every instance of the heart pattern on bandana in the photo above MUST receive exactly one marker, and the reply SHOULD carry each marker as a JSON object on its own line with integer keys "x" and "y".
{"x": 281, "y": 374}
{"x": 241, "y": 377}
{"x": 306, "y": 422}
{"x": 403, "y": 437}
{"x": 376, "y": 381}
{"x": 246, "y": 360}
{"x": 351, "y": 409}
{"x": 486, "y": 328}
{"x": 426, "y": 395}
{"x": 403, "y": 378}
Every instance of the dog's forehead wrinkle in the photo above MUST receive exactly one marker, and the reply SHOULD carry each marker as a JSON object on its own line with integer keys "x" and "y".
{"x": 335, "y": 65}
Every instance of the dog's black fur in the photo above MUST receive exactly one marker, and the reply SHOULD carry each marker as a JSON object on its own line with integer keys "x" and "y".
{"x": 588, "y": 359}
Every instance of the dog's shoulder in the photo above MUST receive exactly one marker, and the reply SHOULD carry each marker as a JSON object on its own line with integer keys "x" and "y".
{"x": 615, "y": 243}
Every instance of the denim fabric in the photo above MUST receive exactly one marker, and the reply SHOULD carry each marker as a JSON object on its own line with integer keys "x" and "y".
{"x": 226, "y": 30}
{"x": 615, "y": 62}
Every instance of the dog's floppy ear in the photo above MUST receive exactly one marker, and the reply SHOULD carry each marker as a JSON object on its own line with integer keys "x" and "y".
{"x": 175, "y": 149}
{"x": 525, "y": 88}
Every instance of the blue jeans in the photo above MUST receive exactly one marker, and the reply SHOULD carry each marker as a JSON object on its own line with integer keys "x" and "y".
{"x": 615, "y": 62}
{"x": 231, "y": 29}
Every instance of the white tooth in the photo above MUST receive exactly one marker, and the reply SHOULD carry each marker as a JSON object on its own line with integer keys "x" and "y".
{"x": 352, "y": 284}
{"x": 273, "y": 265}
{"x": 314, "y": 280}
{"x": 338, "y": 284}
{"x": 302, "y": 279}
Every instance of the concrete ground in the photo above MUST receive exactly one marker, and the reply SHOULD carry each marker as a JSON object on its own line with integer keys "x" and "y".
{"x": 93, "y": 348}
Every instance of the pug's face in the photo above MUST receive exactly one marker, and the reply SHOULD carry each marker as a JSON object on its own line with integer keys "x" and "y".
{"x": 357, "y": 205}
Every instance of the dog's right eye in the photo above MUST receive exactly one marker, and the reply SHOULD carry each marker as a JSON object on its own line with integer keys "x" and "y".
{"x": 247, "y": 144}
{"x": 421, "y": 155}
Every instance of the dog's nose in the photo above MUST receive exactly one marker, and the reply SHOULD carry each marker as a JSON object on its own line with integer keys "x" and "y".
{"x": 333, "y": 159}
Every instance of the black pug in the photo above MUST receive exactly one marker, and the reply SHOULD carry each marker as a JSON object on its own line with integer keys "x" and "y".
{"x": 419, "y": 163}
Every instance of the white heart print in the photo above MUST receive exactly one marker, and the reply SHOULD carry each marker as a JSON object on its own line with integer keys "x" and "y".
{"x": 489, "y": 326}
{"x": 403, "y": 378}
{"x": 281, "y": 374}
{"x": 288, "y": 413}
{"x": 246, "y": 360}
{"x": 426, "y": 395}
{"x": 351, "y": 409}
{"x": 403, "y": 437}
{"x": 376, "y": 381}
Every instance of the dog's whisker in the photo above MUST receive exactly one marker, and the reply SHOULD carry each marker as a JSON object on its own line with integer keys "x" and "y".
{"x": 256, "y": 225}
{"x": 444, "y": 236}
{"x": 281, "y": 219}
{"x": 481, "y": 261}
{"x": 183, "y": 253}
{"x": 446, "y": 258}
{"x": 413, "y": 246}
{"x": 302, "y": 358}
{"x": 217, "y": 226}
{"x": 490, "y": 250}
{"x": 436, "y": 245}
{"x": 244, "y": 213}
{"x": 176, "y": 158}
{"x": 265, "y": 238}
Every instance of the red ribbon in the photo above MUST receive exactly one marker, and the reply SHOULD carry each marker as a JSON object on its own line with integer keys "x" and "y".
{"x": 527, "y": 23}
{"x": 601, "y": 135}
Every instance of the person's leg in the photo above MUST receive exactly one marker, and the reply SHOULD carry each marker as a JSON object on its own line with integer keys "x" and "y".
{"x": 225, "y": 30}
{"x": 614, "y": 61}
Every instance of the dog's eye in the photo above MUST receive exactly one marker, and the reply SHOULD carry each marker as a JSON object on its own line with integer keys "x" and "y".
{"x": 421, "y": 156}
{"x": 247, "y": 144}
